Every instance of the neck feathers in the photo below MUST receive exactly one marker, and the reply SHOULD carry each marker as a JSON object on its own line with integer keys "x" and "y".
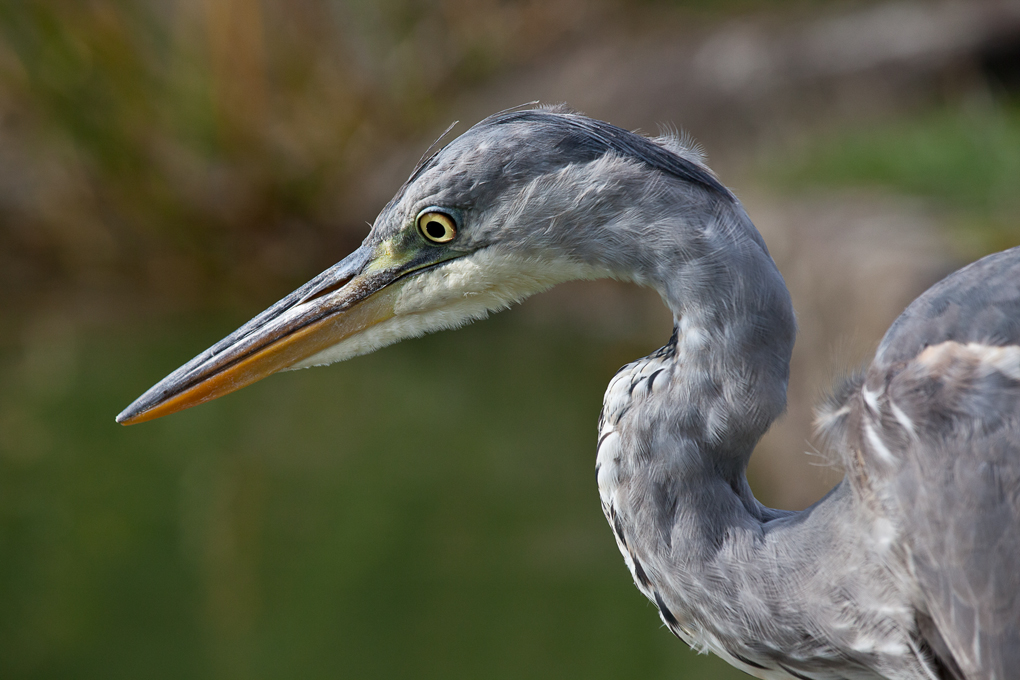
{"x": 678, "y": 426}
{"x": 731, "y": 309}
{"x": 725, "y": 370}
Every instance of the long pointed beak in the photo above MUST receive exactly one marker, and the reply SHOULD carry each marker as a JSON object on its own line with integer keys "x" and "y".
{"x": 339, "y": 303}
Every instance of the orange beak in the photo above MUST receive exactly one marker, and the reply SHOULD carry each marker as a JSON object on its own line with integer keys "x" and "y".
{"x": 339, "y": 303}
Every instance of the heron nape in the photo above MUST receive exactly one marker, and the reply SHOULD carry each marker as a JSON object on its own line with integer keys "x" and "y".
{"x": 909, "y": 568}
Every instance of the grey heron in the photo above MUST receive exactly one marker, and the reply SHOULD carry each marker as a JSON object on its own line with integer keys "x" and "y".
{"x": 907, "y": 569}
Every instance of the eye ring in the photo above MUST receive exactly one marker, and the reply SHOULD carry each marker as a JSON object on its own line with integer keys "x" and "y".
{"x": 436, "y": 226}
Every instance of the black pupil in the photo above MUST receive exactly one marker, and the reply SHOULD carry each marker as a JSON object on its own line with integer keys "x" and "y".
{"x": 435, "y": 229}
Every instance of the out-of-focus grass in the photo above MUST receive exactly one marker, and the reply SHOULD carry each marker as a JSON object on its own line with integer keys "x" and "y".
{"x": 718, "y": 8}
{"x": 213, "y": 149}
{"x": 964, "y": 158}
{"x": 427, "y": 511}
{"x": 185, "y": 147}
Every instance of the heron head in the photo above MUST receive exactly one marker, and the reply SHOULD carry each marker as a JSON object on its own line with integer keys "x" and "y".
{"x": 522, "y": 201}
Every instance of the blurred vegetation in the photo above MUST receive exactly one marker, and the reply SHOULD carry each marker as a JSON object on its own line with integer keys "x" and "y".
{"x": 209, "y": 149}
{"x": 193, "y": 145}
{"x": 963, "y": 157}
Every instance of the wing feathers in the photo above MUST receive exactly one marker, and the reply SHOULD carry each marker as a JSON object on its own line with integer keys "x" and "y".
{"x": 931, "y": 440}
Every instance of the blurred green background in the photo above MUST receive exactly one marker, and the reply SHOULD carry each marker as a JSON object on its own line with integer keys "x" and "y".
{"x": 168, "y": 169}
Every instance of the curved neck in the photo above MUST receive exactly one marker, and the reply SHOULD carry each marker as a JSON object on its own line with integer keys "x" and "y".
{"x": 676, "y": 432}
{"x": 732, "y": 312}
{"x": 733, "y": 334}
{"x": 679, "y": 426}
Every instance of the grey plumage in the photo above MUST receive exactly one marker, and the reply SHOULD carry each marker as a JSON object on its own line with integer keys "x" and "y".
{"x": 908, "y": 569}
{"x": 935, "y": 430}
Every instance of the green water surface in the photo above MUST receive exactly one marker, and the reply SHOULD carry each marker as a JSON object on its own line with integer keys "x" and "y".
{"x": 429, "y": 511}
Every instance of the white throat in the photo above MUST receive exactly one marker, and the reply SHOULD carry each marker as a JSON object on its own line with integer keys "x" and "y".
{"x": 455, "y": 294}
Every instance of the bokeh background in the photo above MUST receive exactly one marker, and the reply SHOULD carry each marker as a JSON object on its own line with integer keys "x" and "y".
{"x": 170, "y": 167}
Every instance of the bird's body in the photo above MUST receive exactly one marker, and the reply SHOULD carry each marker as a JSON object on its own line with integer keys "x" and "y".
{"x": 791, "y": 594}
{"x": 908, "y": 569}
{"x": 849, "y": 587}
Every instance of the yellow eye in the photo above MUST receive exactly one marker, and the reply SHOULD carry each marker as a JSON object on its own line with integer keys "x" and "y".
{"x": 437, "y": 227}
